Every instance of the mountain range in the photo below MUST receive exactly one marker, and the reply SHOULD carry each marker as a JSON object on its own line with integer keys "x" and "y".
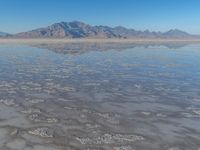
{"x": 2, "y": 34}
{"x": 77, "y": 29}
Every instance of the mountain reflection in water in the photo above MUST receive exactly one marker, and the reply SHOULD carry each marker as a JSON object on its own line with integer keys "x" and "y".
{"x": 80, "y": 48}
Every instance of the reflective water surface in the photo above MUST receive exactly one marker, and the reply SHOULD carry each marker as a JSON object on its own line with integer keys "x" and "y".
{"x": 99, "y": 97}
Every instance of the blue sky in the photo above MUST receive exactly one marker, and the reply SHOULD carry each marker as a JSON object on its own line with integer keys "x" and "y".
{"x": 157, "y": 15}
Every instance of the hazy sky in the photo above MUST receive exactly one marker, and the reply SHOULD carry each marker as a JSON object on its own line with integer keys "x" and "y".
{"x": 157, "y": 15}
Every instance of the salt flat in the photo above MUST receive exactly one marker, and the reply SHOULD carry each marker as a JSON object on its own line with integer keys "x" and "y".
{"x": 85, "y": 40}
{"x": 94, "y": 95}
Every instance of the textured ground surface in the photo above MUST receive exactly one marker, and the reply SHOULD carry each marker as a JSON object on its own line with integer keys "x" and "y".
{"x": 141, "y": 98}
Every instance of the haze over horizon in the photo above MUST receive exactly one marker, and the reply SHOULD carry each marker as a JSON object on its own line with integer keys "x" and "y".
{"x": 18, "y": 16}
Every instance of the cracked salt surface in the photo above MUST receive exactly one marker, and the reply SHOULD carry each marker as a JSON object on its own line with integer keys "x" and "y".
{"x": 110, "y": 139}
{"x": 39, "y": 118}
{"x": 43, "y": 132}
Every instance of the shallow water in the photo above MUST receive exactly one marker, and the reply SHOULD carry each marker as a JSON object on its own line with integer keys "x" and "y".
{"x": 99, "y": 97}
